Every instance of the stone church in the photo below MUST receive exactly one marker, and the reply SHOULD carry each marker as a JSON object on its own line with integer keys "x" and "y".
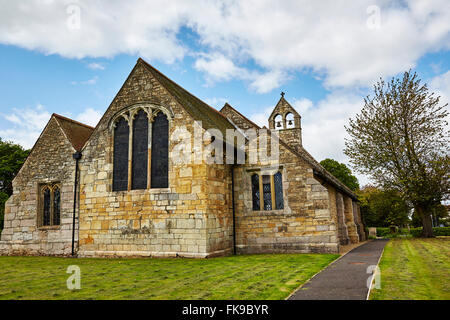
{"x": 115, "y": 190}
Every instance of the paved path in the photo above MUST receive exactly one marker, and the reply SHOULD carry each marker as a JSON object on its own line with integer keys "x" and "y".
{"x": 346, "y": 278}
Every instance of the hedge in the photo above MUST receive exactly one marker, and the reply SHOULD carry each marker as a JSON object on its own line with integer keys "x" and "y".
{"x": 415, "y": 232}
{"x": 438, "y": 231}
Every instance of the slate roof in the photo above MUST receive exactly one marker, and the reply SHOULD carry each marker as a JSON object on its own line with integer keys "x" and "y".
{"x": 76, "y": 132}
{"x": 199, "y": 110}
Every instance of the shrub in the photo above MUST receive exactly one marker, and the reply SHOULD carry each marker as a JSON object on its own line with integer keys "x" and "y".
{"x": 383, "y": 232}
{"x": 438, "y": 231}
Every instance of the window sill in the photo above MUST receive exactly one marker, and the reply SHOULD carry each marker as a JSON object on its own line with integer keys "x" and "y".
{"x": 45, "y": 228}
{"x": 143, "y": 191}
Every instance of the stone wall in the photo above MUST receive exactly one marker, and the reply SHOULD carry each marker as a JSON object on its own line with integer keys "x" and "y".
{"x": 305, "y": 224}
{"x": 186, "y": 219}
{"x": 50, "y": 161}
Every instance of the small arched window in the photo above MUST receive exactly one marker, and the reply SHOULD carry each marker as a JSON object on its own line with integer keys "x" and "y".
{"x": 279, "y": 122}
{"x": 290, "y": 121}
{"x": 160, "y": 152}
{"x": 50, "y": 205}
{"x": 278, "y": 182}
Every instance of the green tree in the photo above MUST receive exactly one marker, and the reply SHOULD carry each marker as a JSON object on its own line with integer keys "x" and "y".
{"x": 383, "y": 208}
{"x": 342, "y": 172}
{"x": 12, "y": 157}
{"x": 400, "y": 140}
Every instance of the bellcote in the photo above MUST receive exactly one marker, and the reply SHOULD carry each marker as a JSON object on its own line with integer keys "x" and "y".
{"x": 287, "y": 122}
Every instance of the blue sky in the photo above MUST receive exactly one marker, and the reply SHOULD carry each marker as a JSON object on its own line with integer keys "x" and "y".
{"x": 71, "y": 57}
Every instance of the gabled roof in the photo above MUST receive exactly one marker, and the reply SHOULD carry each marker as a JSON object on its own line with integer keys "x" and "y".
{"x": 199, "y": 110}
{"x": 76, "y": 132}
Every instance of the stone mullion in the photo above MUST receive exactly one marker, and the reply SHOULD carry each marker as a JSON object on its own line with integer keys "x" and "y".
{"x": 149, "y": 154}
{"x": 130, "y": 152}
{"x": 272, "y": 191}
{"x": 52, "y": 199}
{"x": 261, "y": 193}
{"x": 40, "y": 207}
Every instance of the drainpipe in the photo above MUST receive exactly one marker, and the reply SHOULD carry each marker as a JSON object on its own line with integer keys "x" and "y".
{"x": 234, "y": 210}
{"x": 76, "y": 156}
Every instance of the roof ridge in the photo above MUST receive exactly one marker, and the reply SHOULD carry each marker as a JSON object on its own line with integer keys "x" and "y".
{"x": 76, "y": 133}
{"x": 73, "y": 121}
{"x": 170, "y": 80}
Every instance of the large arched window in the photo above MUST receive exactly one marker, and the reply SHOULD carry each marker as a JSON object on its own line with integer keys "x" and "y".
{"x": 50, "y": 205}
{"x": 141, "y": 148}
{"x": 140, "y": 151}
{"x": 160, "y": 152}
{"x": 121, "y": 146}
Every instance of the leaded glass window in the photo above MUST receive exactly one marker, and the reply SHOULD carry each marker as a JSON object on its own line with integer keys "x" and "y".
{"x": 160, "y": 152}
{"x": 121, "y": 143}
{"x": 46, "y": 207}
{"x": 278, "y": 181}
{"x": 56, "y": 206}
{"x": 49, "y": 205}
{"x": 140, "y": 151}
{"x": 255, "y": 192}
{"x": 267, "y": 194}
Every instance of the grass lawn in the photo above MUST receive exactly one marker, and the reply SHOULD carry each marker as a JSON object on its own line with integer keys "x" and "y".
{"x": 414, "y": 269}
{"x": 236, "y": 277}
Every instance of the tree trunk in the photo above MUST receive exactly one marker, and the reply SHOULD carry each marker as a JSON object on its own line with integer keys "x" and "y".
{"x": 427, "y": 231}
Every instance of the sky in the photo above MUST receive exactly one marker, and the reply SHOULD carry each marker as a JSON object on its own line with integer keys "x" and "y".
{"x": 72, "y": 57}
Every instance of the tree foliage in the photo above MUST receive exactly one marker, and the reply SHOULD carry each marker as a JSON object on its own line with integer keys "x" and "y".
{"x": 400, "y": 140}
{"x": 341, "y": 172}
{"x": 12, "y": 157}
{"x": 383, "y": 208}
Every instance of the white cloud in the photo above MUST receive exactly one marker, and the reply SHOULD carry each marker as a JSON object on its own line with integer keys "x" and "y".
{"x": 217, "y": 103}
{"x": 96, "y": 66}
{"x": 90, "y": 117}
{"x": 28, "y": 123}
{"x": 441, "y": 85}
{"x": 219, "y": 68}
{"x": 330, "y": 38}
{"x": 89, "y": 82}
